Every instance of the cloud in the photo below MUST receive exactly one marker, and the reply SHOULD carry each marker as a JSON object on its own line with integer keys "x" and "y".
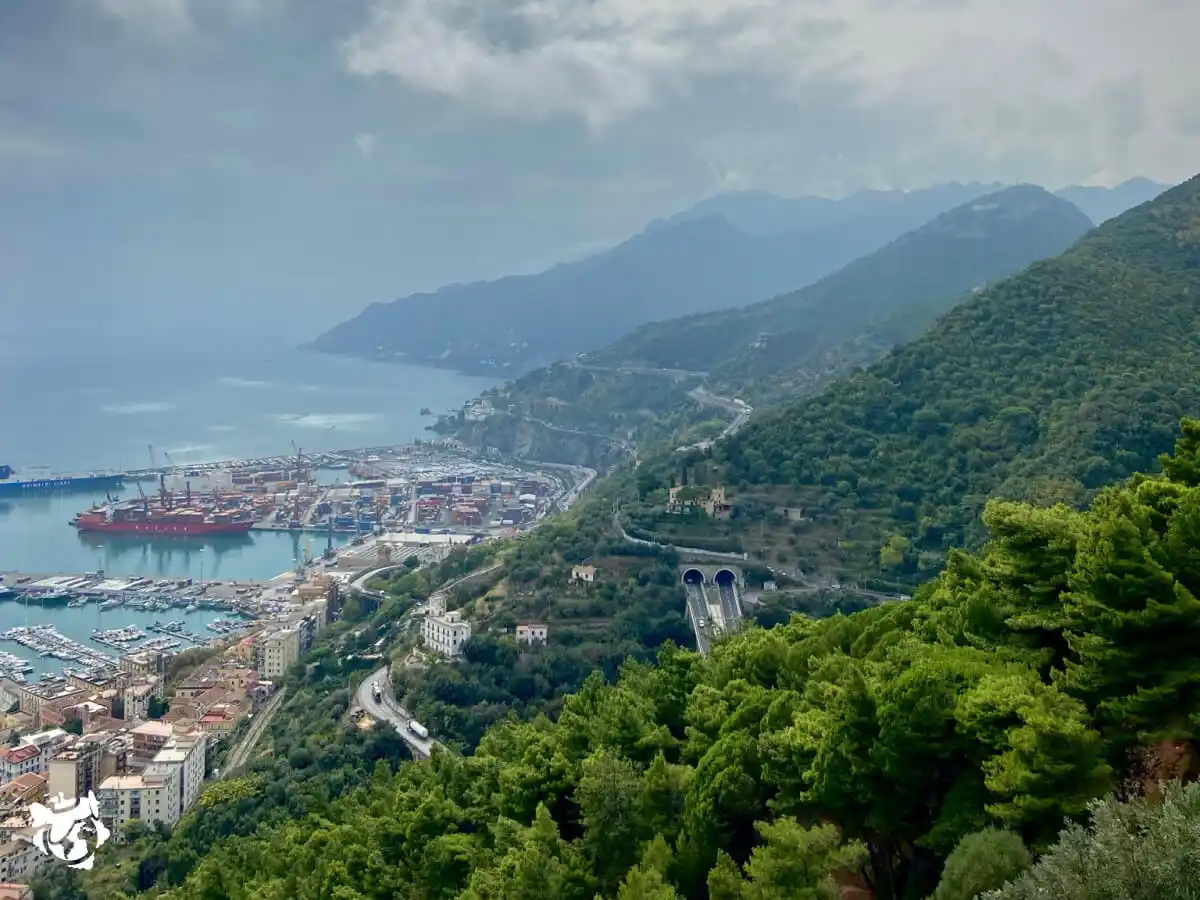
{"x": 151, "y": 18}
{"x": 138, "y": 409}
{"x": 365, "y": 142}
{"x": 23, "y": 146}
{"x": 172, "y": 19}
{"x": 230, "y": 381}
{"x": 221, "y": 429}
{"x": 993, "y": 78}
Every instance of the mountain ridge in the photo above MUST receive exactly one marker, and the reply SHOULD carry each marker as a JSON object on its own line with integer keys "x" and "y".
{"x": 787, "y": 346}
{"x": 1045, "y": 386}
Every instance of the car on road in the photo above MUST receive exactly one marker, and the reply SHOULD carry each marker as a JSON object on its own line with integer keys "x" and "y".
{"x": 703, "y": 623}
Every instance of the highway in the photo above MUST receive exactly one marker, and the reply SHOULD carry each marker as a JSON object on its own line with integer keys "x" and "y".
{"x": 731, "y": 610}
{"x": 388, "y": 710}
{"x": 697, "y": 613}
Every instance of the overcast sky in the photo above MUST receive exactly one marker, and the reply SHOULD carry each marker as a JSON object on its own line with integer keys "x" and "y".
{"x": 278, "y": 162}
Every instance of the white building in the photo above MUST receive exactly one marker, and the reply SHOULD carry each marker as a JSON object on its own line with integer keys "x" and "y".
{"x": 532, "y": 633}
{"x": 152, "y": 796}
{"x": 185, "y": 752}
{"x": 280, "y": 651}
{"x": 19, "y": 860}
{"x": 446, "y": 633}
{"x": 165, "y": 789}
{"x": 32, "y": 754}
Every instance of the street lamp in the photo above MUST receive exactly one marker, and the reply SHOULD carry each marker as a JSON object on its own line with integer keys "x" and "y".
{"x": 202, "y": 569}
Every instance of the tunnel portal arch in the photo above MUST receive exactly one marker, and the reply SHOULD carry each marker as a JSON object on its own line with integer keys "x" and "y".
{"x": 692, "y": 575}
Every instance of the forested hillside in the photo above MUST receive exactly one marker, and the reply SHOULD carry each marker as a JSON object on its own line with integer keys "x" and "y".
{"x": 858, "y": 751}
{"x": 1045, "y": 387}
{"x": 787, "y": 347}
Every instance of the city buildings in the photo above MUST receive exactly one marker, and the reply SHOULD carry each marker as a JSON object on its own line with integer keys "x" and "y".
{"x": 164, "y": 790}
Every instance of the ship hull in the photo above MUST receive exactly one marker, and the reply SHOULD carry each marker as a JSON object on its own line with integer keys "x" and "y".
{"x": 166, "y": 528}
{"x": 59, "y": 483}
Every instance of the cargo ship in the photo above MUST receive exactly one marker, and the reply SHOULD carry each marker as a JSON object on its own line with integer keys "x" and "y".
{"x": 37, "y": 480}
{"x": 139, "y": 517}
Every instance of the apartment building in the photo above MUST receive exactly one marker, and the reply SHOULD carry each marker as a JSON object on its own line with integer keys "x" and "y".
{"x": 165, "y": 789}
{"x": 32, "y": 753}
{"x": 152, "y": 796}
{"x": 280, "y": 651}
{"x": 19, "y": 861}
{"x": 446, "y": 633}
{"x": 75, "y": 771}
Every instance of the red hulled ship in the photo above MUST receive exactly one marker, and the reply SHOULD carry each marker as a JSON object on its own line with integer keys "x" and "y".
{"x": 134, "y": 518}
{"x": 192, "y": 517}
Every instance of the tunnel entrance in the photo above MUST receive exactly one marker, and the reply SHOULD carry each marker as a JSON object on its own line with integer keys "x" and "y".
{"x": 725, "y": 578}
{"x": 693, "y": 576}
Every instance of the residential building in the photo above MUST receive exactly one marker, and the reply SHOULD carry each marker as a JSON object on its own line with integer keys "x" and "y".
{"x": 96, "y": 681}
{"x": 56, "y": 693}
{"x": 144, "y": 662}
{"x": 152, "y": 796}
{"x": 150, "y": 737}
{"x": 19, "y": 860}
{"x": 23, "y": 790}
{"x": 583, "y": 574}
{"x": 12, "y": 891}
{"x": 186, "y": 753}
{"x": 164, "y": 790}
{"x": 280, "y": 651}
{"x": 32, "y": 753}
{"x": 446, "y": 633}
{"x": 75, "y": 771}
{"x": 137, "y": 696}
{"x": 532, "y": 633}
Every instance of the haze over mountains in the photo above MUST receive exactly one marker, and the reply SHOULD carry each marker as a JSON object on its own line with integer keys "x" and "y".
{"x": 727, "y": 251}
{"x": 782, "y": 349}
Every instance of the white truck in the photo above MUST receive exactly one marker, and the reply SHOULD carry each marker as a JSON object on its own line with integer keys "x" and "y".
{"x": 376, "y": 691}
{"x": 418, "y": 729}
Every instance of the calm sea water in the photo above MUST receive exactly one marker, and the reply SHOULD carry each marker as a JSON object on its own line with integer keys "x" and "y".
{"x": 106, "y": 405}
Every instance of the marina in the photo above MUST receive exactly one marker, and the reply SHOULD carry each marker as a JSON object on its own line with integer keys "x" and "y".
{"x": 89, "y": 620}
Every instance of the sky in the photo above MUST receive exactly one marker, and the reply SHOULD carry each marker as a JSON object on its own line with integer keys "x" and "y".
{"x": 268, "y": 167}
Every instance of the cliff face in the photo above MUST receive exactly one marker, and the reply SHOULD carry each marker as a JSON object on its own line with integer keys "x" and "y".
{"x": 527, "y": 439}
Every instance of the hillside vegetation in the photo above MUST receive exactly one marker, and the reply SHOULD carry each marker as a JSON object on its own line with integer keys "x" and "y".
{"x": 1044, "y": 387}
{"x": 862, "y": 750}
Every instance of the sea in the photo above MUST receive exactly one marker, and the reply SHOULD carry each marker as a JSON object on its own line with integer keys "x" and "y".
{"x": 118, "y": 403}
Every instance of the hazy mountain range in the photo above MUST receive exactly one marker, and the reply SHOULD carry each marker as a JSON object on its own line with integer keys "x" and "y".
{"x": 727, "y": 251}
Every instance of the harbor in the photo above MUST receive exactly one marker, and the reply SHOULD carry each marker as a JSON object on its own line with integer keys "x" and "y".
{"x": 55, "y": 623}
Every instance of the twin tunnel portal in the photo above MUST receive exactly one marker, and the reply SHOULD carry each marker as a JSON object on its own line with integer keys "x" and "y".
{"x": 714, "y": 600}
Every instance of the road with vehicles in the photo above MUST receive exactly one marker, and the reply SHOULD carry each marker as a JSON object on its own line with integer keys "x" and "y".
{"x": 697, "y": 608}
{"x": 386, "y": 709}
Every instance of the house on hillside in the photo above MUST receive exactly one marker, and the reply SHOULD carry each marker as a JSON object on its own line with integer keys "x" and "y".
{"x": 583, "y": 574}
{"x": 532, "y": 633}
{"x": 692, "y": 498}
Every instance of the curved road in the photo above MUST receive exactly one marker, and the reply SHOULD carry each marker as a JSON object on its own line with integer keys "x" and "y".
{"x": 388, "y": 710}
